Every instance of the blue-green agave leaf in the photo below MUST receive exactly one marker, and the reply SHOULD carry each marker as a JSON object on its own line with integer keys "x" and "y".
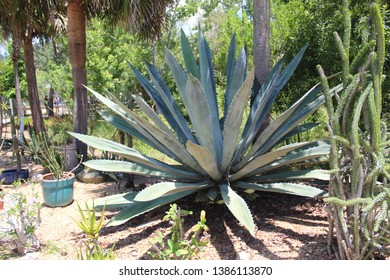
{"x": 166, "y": 188}
{"x": 289, "y": 120}
{"x": 208, "y": 83}
{"x": 234, "y": 118}
{"x": 290, "y": 68}
{"x": 205, "y": 159}
{"x": 307, "y": 98}
{"x": 316, "y": 174}
{"x": 298, "y": 130}
{"x": 235, "y": 72}
{"x": 113, "y": 201}
{"x": 169, "y": 142}
{"x": 132, "y": 154}
{"x": 291, "y": 123}
{"x": 230, "y": 70}
{"x": 300, "y": 155}
{"x": 136, "y": 208}
{"x": 264, "y": 137}
{"x": 237, "y": 79}
{"x": 265, "y": 92}
{"x": 306, "y": 105}
{"x": 140, "y": 125}
{"x": 265, "y": 98}
{"x": 200, "y": 113}
{"x": 207, "y": 72}
{"x": 161, "y": 95}
{"x": 136, "y": 168}
{"x": 177, "y": 72}
{"x": 132, "y": 128}
{"x": 280, "y": 127}
{"x": 171, "y": 110}
{"x": 286, "y": 188}
{"x": 188, "y": 56}
{"x": 264, "y": 159}
{"x": 145, "y": 107}
{"x": 238, "y": 207}
{"x": 212, "y": 194}
{"x": 259, "y": 109}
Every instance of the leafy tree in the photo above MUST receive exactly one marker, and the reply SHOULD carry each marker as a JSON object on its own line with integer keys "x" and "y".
{"x": 108, "y": 53}
{"x": 7, "y": 83}
{"x": 53, "y": 70}
{"x": 6, "y": 78}
{"x": 297, "y": 23}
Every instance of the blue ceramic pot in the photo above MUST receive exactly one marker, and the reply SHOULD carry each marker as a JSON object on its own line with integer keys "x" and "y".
{"x": 57, "y": 193}
{"x": 13, "y": 175}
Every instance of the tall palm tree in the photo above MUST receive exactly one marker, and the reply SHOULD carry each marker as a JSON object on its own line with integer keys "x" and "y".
{"x": 9, "y": 30}
{"x": 146, "y": 17}
{"x": 28, "y": 19}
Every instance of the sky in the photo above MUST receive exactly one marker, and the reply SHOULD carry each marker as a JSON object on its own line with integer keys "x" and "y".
{"x": 3, "y": 50}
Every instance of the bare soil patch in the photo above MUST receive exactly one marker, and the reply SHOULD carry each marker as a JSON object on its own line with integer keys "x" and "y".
{"x": 288, "y": 227}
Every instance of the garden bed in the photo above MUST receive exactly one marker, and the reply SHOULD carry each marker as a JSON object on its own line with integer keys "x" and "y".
{"x": 288, "y": 227}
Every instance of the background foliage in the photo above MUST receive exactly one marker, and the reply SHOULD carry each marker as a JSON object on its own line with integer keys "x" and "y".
{"x": 294, "y": 23}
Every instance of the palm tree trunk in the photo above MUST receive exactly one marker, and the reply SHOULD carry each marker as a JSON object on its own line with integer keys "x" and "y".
{"x": 261, "y": 46}
{"x": 35, "y": 104}
{"x": 50, "y": 102}
{"x": 261, "y": 37}
{"x": 19, "y": 103}
{"x": 77, "y": 55}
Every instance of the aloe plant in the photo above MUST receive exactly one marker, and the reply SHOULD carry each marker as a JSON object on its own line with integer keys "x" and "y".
{"x": 217, "y": 154}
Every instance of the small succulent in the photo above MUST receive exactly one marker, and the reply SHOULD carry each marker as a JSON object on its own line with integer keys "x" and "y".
{"x": 217, "y": 154}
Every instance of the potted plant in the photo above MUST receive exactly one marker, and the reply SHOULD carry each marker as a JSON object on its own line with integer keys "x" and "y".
{"x": 57, "y": 133}
{"x": 57, "y": 183}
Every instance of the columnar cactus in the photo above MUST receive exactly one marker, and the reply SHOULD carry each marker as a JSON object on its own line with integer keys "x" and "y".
{"x": 359, "y": 192}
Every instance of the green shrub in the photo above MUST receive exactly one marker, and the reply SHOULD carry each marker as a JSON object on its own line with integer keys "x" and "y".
{"x": 57, "y": 127}
{"x": 23, "y": 216}
{"x": 91, "y": 249}
{"x": 177, "y": 246}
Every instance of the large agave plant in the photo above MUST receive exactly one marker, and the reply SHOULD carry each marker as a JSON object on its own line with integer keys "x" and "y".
{"x": 217, "y": 154}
